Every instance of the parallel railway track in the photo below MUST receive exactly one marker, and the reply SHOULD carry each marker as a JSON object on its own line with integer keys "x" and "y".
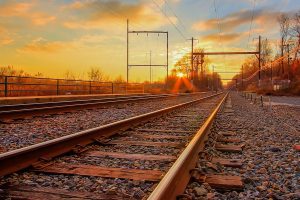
{"x": 8, "y": 112}
{"x": 135, "y": 139}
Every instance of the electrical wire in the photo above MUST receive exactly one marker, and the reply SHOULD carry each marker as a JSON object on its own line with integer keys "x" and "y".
{"x": 173, "y": 12}
{"x": 172, "y": 23}
{"x": 250, "y": 28}
{"x": 219, "y": 23}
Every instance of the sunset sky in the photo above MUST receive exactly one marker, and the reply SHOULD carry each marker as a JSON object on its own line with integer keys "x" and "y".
{"x": 55, "y": 36}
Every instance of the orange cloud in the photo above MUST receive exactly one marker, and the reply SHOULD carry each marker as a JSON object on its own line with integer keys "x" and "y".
{"x": 98, "y": 14}
{"x": 40, "y": 19}
{"x": 42, "y": 45}
{"x": 5, "y": 40}
{"x": 5, "y": 37}
{"x": 234, "y": 20}
{"x": 225, "y": 38}
{"x": 11, "y": 8}
{"x": 24, "y": 10}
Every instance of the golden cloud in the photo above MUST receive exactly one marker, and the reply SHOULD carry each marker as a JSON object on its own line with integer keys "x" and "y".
{"x": 42, "y": 45}
{"x": 24, "y": 10}
{"x": 234, "y": 20}
{"x": 111, "y": 14}
{"x": 224, "y": 38}
{"x": 13, "y": 8}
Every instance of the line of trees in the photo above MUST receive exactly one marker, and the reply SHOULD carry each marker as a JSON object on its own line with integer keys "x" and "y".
{"x": 285, "y": 71}
{"x": 93, "y": 74}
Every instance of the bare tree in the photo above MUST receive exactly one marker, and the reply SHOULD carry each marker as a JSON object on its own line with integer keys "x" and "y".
{"x": 284, "y": 23}
{"x": 96, "y": 74}
{"x": 119, "y": 79}
{"x": 266, "y": 52}
{"x": 295, "y": 29}
{"x": 69, "y": 75}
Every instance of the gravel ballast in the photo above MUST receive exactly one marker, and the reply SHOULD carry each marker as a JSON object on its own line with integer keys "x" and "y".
{"x": 271, "y": 168}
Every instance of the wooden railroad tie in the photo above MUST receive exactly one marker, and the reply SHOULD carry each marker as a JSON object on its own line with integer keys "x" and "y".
{"x": 149, "y": 136}
{"x": 144, "y": 143}
{"x": 226, "y": 133}
{"x": 131, "y": 156}
{"x": 32, "y": 192}
{"x": 229, "y": 148}
{"x": 164, "y": 131}
{"x": 228, "y": 139}
{"x": 236, "y": 163}
{"x": 219, "y": 182}
{"x": 108, "y": 172}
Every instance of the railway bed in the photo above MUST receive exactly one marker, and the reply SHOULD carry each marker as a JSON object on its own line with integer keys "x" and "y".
{"x": 128, "y": 164}
{"x": 261, "y": 148}
{"x": 26, "y": 131}
{"x": 239, "y": 152}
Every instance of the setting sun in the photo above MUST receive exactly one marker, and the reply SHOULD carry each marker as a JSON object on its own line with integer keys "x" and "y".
{"x": 179, "y": 74}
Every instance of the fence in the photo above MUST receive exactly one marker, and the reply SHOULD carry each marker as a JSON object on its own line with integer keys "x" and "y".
{"x": 31, "y": 86}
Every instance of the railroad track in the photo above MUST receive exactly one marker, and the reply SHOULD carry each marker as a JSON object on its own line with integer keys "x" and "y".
{"x": 8, "y": 112}
{"x": 128, "y": 157}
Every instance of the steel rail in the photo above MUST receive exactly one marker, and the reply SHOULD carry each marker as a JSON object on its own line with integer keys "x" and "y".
{"x": 177, "y": 178}
{"x": 23, "y": 110}
{"x": 68, "y": 102}
{"x": 16, "y": 160}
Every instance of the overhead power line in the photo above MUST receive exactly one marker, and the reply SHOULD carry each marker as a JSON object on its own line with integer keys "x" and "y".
{"x": 172, "y": 23}
{"x": 218, "y": 19}
{"x": 173, "y": 12}
{"x": 250, "y": 28}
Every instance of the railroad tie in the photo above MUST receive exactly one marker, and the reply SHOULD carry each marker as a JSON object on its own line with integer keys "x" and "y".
{"x": 107, "y": 172}
{"x": 217, "y": 181}
{"x": 33, "y": 192}
{"x": 130, "y": 156}
{"x": 144, "y": 143}
{"x": 235, "y": 163}
{"x": 229, "y": 148}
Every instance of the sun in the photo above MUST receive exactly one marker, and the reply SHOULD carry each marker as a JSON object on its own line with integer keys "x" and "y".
{"x": 179, "y": 74}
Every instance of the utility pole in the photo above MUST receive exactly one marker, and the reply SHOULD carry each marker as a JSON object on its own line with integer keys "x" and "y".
{"x": 282, "y": 45}
{"x": 242, "y": 76}
{"x": 259, "y": 59}
{"x": 150, "y": 68}
{"x": 127, "y": 74}
{"x": 192, "y": 58}
{"x": 213, "y": 80}
{"x": 167, "y": 55}
{"x": 271, "y": 72}
{"x": 288, "y": 50}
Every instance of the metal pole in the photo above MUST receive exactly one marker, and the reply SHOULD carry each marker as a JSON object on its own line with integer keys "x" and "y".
{"x": 90, "y": 87}
{"x": 167, "y": 55}
{"x": 127, "y": 50}
{"x": 259, "y": 50}
{"x": 5, "y": 86}
{"x": 192, "y": 59}
{"x": 282, "y": 45}
{"x": 112, "y": 87}
{"x": 150, "y": 69}
{"x": 288, "y": 50}
{"x": 213, "y": 80}
{"x": 242, "y": 77}
{"x": 57, "y": 87}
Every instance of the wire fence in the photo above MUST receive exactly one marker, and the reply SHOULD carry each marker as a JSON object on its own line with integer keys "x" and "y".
{"x": 12, "y": 86}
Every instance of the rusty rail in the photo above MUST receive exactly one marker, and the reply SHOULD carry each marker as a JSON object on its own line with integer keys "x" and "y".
{"x": 22, "y": 158}
{"x": 177, "y": 178}
{"x": 32, "y": 109}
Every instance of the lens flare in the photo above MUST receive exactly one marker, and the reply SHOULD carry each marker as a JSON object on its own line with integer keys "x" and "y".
{"x": 180, "y": 75}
